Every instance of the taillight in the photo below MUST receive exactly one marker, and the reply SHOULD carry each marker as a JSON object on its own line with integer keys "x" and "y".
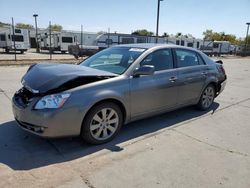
{"x": 221, "y": 69}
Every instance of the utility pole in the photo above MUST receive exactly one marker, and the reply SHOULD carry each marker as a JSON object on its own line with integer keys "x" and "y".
{"x": 157, "y": 21}
{"x": 50, "y": 49}
{"x": 13, "y": 36}
{"x": 81, "y": 36}
{"x": 37, "y": 45}
{"x": 246, "y": 38}
{"x": 108, "y": 37}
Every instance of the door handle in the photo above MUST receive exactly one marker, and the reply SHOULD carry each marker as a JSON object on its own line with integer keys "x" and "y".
{"x": 204, "y": 73}
{"x": 173, "y": 79}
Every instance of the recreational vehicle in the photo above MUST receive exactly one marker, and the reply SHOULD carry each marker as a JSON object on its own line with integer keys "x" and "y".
{"x": 188, "y": 42}
{"x": 59, "y": 41}
{"x": 170, "y": 40}
{"x": 111, "y": 39}
{"x": 86, "y": 38}
{"x": 20, "y": 37}
{"x": 221, "y": 47}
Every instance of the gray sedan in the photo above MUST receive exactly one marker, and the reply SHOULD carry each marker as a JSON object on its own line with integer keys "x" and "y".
{"x": 113, "y": 87}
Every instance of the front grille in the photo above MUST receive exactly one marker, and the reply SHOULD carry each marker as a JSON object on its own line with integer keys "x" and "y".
{"x": 30, "y": 127}
{"x": 23, "y": 97}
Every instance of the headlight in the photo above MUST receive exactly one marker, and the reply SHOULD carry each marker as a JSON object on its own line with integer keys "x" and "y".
{"x": 52, "y": 101}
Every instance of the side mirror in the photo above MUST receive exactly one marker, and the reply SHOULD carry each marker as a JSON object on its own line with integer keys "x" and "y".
{"x": 144, "y": 70}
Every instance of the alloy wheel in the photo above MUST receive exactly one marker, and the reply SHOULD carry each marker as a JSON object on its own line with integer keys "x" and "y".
{"x": 208, "y": 97}
{"x": 104, "y": 124}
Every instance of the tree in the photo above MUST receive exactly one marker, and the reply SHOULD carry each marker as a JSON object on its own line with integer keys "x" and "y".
{"x": 2, "y": 24}
{"x": 165, "y": 34}
{"x": 56, "y": 27}
{"x": 178, "y": 34}
{"x": 101, "y": 32}
{"x": 208, "y": 34}
{"x": 24, "y": 26}
{"x": 143, "y": 32}
{"x": 248, "y": 40}
{"x": 222, "y": 36}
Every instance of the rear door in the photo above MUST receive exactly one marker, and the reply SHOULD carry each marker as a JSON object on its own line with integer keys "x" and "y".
{"x": 192, "y": 74}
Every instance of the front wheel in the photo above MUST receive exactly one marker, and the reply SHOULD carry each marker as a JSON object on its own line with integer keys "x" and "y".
{"x": 102, "y": 123}
{"x": 207, "y": 98}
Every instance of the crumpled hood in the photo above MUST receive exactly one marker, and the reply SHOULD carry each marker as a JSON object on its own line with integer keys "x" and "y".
{"x": 42, "y": 78}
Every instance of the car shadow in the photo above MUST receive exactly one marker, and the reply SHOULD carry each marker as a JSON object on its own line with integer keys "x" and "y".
{"x": 23, "y": 151}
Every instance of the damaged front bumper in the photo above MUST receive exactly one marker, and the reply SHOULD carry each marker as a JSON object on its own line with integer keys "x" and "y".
{"x": 49, "y": 123}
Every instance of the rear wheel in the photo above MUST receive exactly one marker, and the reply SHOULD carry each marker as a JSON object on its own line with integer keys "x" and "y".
{"x": 207, "y": 98}
{"x": 102, "y": 123}
{"x": 76, "y": 56}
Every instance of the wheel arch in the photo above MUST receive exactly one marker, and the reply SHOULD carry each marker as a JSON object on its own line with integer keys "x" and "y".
{"x": 214, "y": 82}
{"x": 112, "y": 100}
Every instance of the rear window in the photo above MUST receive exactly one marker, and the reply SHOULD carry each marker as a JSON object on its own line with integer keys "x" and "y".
{"x": 190, "y": 44}
{"x": 2, "y": 38}
{"x": 141, "y": 40}
{"x": 67, "y": 39}
{"x": 216, "y": 45}
{"x": 197, "y": 45}
{"x": 17, "y": 38}
{"x": 128, "y": 40}
{"x": 17, "y": 30}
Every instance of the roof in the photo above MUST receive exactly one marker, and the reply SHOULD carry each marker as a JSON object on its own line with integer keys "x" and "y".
{"x": 154, "y": 45}
{"x": 145, "y": 45}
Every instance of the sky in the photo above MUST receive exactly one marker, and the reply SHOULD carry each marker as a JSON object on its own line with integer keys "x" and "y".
{"x": 124, "y": 16}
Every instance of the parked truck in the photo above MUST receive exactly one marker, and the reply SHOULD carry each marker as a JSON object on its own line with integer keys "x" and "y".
{"x": 20, "y": 37}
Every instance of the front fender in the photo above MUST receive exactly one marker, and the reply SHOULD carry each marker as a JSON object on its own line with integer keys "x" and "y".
{"x": 86, "y": 98}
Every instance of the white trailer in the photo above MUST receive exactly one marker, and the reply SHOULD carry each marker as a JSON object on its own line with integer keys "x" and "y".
{"x": 170, "y": 40}
{"x": 60, "y": 41}
{"x": 221, "y": 47}
{"x": 188, "y": 42}
{"x": 20, "y": 37}
{"x": 111, "y": 39}
{"x": 86, "y": 38}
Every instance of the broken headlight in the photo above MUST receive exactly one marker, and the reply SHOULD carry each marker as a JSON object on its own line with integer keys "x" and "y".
{"x": 52, "y": 101}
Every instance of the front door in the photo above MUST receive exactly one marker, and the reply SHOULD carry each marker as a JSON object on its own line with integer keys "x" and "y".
{"x": 158, "y": 91}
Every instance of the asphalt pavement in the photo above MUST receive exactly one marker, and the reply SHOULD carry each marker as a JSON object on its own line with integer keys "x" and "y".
{"x": 184, "y": 148}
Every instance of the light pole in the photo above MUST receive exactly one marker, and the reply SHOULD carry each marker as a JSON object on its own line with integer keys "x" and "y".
{"x": 248, "y": 23}
{"x": 14, "y": 36}
{"x": 157, "y": 22}
{"x": 37, "y": 46}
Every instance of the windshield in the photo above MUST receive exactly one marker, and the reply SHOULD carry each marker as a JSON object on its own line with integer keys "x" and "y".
{"x": 115, "y": 60}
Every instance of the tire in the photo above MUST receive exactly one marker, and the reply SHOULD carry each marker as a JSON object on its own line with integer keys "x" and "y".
{"x": 76, "y": 56}
{"x": 98, "y": 130}
{"x": 207, "y": 98}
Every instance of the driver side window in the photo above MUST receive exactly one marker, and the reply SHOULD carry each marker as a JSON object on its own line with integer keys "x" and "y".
{"x": 160, "y": 59}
